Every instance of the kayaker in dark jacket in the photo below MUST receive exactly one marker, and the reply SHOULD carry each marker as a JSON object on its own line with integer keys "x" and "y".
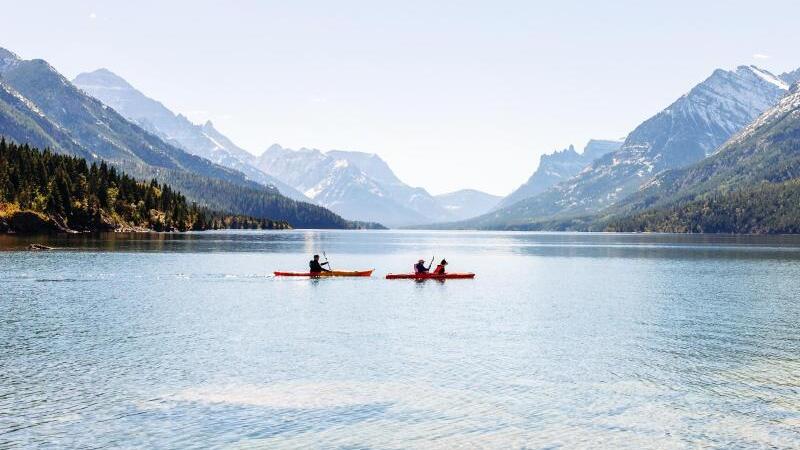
{"x": 439, "y": 270}
{"x": 419, "y": 267}
{"x": 315, "y": 266}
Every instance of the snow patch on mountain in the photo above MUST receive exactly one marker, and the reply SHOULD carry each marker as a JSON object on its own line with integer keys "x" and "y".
{"x": 769, "y": 78}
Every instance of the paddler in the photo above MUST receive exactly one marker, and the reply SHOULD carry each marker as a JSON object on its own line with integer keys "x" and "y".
{"x": 439, "y": 270}
{"x": 419, "y": 267}
{"x": 315, "y": 266}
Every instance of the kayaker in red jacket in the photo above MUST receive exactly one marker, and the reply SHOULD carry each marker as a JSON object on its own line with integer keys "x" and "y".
{"x": 314, "y": 265}
{"x": 439, "y": 270}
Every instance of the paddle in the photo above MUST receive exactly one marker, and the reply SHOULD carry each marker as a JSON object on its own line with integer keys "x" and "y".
{"x": 326, "y": 261}
{"x": 431, "y": 263}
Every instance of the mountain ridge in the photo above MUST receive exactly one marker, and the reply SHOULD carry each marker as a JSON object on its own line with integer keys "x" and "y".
{"x": 559, "y": 166}
{"x": 749, "y": 185}
{"x": 686, "y": 131}
{"x": 359, "y": 184}
{"x": 176, "y": 129}
{"x": 336, "y": 183}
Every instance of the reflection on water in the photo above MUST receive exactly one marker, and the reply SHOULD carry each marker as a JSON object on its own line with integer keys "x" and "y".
{"x": 563, "y": 340}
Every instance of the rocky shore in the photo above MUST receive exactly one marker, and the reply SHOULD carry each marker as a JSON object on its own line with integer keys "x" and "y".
{"x": 31, "y": 222}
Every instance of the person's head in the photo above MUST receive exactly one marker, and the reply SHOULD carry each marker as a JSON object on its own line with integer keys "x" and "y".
{"x": 444, "y": 262}
{"x": 316, "y": 257}
{"x": 421, "y": 261}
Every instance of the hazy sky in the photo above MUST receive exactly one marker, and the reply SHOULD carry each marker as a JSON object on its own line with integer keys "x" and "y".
{"x": 453, "y": 94}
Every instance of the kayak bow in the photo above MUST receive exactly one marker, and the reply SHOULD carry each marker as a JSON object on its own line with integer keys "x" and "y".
{"x": 429, "y": 276}
{"x": 333, "y": 273}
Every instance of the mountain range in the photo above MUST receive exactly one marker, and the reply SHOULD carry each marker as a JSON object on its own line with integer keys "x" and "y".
{"x": 201, "y": 140}
{"x": 41, "y": 107}
{"x": 362, "y": 186}
{"x": 688, "y": 130}
{"x": 356, "y": 185}
{"x": 724, "y": 157}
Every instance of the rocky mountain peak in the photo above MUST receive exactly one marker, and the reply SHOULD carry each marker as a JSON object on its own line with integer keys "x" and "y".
{"x": 273, "y": 148}
{"x": 7, "y": 59}
{"x": 102, "y": 78}
{"x": 791, "y": 77}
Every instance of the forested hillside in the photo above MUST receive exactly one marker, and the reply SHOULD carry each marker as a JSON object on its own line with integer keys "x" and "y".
{"x": 766, "y": 209}
{"x": 43, "y": 191}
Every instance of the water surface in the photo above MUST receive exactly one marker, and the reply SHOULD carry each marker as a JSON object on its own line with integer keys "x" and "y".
{"x": 562, "y": 340}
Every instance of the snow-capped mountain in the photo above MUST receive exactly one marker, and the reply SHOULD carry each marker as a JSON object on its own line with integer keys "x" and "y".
{"x": 685, "y": 132}
{"x": 558, "y": 167}
{"x": 415, "y": 198}
{"x": 201, "y": 140}
{"x": 356, "y": 184}
{"x": 751, "y": 182}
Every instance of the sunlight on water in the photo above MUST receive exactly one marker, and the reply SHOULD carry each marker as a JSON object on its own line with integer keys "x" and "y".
{"x": 562, "y": 340}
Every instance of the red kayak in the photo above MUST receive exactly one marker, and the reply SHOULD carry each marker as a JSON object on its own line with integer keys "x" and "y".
{"x": 429, "y": 276}
{"x": 332, "y": 273}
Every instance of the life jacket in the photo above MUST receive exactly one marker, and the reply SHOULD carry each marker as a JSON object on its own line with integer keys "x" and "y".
{"x": 439, "y": 270}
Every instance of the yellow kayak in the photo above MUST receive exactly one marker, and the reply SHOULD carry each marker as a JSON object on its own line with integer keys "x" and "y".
{"x": 332, "y": 273}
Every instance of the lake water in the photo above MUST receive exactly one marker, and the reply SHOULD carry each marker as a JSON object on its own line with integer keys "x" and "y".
{"x": 562, "y": 340}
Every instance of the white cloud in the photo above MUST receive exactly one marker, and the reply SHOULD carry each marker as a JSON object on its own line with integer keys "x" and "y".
{"x": 760, "y": 56}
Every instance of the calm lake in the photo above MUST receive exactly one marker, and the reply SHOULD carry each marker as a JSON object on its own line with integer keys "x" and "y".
{"x": 562, "y": 340}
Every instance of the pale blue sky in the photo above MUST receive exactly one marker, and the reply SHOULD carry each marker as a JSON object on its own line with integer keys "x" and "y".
{"x": 452, "y": 94}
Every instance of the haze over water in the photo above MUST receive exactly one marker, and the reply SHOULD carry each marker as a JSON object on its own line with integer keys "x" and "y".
{"x": 562, "y": 340}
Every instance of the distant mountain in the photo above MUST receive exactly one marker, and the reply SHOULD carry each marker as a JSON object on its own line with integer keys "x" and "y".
{"x": 791, "y": 77}
{"x": 559, "y": 167}
{"x": 415, "y": 198}
{"x": 684, "y": 133}
{"x": 371, "y": 164}
{"x": 201, "y": 140}
{"x": 751, "y": 185}
{"x": 336, "y": 182}
{"x": 41, "y": 107}
{"x": 467, "y": 203}
{"x": 362, "y": 186}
